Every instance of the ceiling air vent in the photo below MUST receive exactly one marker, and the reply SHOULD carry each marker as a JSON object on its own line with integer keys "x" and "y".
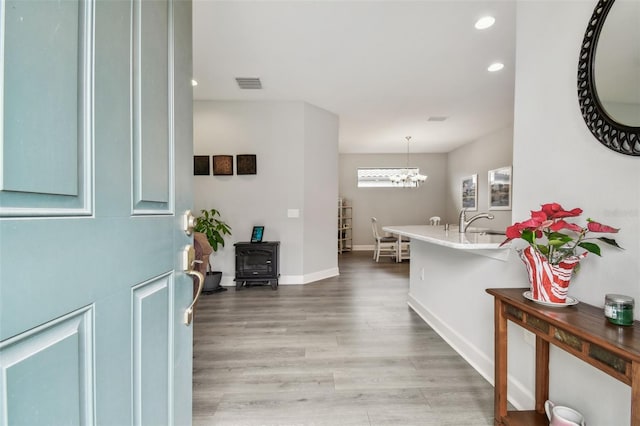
{"x": 437, "y": 118}
{"x": 249, "y": 83}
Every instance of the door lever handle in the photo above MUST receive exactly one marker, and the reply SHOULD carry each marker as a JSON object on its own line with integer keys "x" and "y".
{"x": 188, "y": 314}
{"x": 188, "y": 262}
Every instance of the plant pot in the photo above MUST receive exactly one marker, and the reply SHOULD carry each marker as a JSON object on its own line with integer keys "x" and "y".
{"x": 549, "y": 283}
{"x": 212, "y": 281}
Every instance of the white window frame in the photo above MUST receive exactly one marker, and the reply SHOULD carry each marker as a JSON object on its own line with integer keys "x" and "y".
{"x": 380, "y": 177}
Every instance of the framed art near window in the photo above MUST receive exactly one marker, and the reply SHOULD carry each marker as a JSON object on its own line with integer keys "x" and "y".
{"x": 201, "y": 165}
{"x": 470, "y": 192}
{"x": 257, "y": 233}
{"x": 500, "y": 189}
{"x": 223, "y": 165}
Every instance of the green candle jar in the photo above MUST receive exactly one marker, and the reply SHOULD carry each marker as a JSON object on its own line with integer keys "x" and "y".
{"x": 619, "y": 309}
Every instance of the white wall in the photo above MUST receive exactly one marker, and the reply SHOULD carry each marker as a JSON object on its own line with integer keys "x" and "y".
{"x": 392, "y": 206}
{"x": 487, "y": 153}
{"x": 279, "y": 134}
{"x": 320, "y": 193}
{"x": 557, "y": 159}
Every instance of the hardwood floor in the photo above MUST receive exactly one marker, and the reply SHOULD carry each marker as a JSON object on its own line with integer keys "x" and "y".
{"x": 342, "y": 351}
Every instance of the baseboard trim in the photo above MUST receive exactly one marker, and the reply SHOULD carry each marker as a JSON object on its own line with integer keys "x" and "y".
{"x": 228, "y": 281}
{"x": 321, "y": 275}
{"x": 364, "y": 247}
{"x": 519, "y": 396}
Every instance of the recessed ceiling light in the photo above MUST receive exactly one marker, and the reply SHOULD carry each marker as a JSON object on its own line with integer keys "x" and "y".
{"x": 485, "y": 22}
{"x": 194, "y": 83}
{"x": 496, "y": 66}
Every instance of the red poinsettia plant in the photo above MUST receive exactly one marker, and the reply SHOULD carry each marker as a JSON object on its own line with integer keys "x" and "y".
{"x": 549, "y": 222}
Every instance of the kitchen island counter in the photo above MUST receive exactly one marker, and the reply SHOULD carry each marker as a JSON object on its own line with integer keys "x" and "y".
{"x": 480, "y": 241}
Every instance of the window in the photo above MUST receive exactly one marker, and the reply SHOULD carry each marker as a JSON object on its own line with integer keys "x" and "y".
{"x": 380, "y": 177}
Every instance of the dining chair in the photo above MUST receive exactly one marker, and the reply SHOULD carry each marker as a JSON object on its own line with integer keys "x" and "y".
{"x": 434, "y": 220}
{"x": 405, "y": 249}
{"x": 384, "y": 246}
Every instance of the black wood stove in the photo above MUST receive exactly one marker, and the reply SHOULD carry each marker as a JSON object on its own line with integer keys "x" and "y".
{"x": 257, "y": 263}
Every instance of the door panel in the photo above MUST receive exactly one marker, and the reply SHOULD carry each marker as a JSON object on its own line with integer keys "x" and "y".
{"x": 92, "y": 291}
{"x": 151, "y": 351}
{"x": 53, "y": 364}
{"x": 46, "y": 76}
{"x": 152, "y": 91}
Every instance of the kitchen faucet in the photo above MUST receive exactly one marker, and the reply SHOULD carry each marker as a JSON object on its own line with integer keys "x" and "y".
{"x": 463, "y": 223}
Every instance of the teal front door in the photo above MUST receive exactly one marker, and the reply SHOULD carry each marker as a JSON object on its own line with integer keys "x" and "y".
{"x": 95, "y": 164}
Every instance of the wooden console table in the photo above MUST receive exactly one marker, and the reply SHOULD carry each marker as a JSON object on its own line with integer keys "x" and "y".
{"x": 581, "y": 330}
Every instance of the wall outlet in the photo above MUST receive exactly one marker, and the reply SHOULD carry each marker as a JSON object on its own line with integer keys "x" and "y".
{"x": 422, "y": 274}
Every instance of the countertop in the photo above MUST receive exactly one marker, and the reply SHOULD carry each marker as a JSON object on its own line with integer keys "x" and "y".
{"x": 474, "y": 239}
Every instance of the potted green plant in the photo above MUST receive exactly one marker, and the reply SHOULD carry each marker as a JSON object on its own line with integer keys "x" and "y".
{"x": 215, "y": 230}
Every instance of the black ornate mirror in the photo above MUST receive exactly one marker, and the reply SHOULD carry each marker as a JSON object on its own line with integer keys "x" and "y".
{"x": 609, "y": 75}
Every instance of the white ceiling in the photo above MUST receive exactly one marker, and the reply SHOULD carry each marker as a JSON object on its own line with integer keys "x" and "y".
{"x": 383, "y": 67}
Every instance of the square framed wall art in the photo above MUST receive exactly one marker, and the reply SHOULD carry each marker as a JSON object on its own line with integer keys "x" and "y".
{"x": 246, "y": 164}
{"x": 223, "y": 165}
{"x": 201, "y": 165}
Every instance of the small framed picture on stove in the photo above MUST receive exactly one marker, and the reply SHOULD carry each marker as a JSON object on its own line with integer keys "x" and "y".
{"x": 257, "y": 234}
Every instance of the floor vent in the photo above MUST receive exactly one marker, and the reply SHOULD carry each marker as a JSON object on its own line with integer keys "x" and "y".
{"x": 437, "y": 118}
{"x": 249, "y": 83}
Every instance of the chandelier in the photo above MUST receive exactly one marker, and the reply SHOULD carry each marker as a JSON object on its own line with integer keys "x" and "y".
{"x": 410, "y": 177}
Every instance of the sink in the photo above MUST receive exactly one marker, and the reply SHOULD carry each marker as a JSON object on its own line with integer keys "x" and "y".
{"x": 485, "y": 231}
